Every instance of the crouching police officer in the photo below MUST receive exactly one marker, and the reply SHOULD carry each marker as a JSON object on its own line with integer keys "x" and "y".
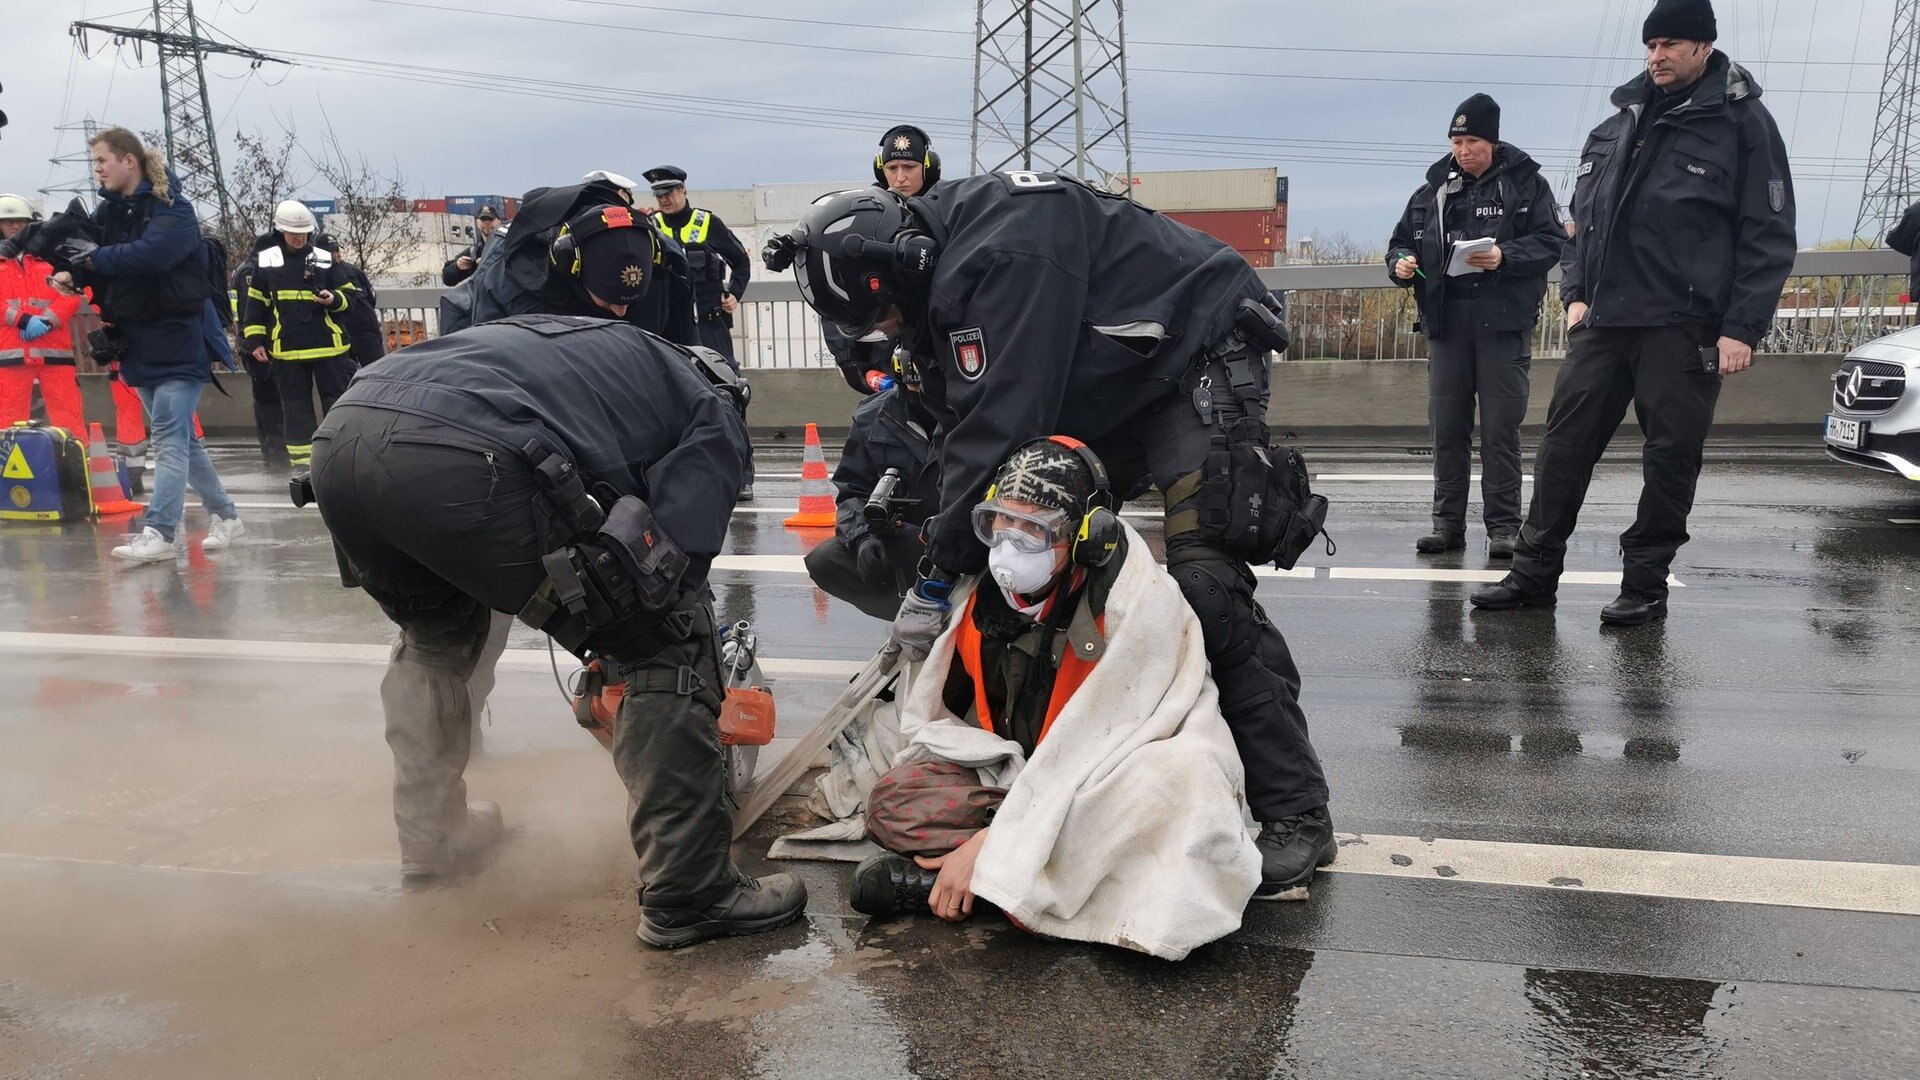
{"x": 579, "y": 473}
{"x": 1041, "y": 307}
{"x": 581, "y": 249}
{"x": 1479, "y": 325}
{"x": 888, "y": 482}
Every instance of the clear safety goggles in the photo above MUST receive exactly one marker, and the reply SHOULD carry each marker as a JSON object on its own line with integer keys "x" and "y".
{"x": 1031, "y": 531}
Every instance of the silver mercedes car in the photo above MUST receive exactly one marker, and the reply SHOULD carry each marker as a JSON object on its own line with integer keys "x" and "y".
{"x": 1875, "y": 419}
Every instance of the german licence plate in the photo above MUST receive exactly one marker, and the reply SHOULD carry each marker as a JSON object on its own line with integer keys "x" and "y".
{"x": 1848, "y": 433}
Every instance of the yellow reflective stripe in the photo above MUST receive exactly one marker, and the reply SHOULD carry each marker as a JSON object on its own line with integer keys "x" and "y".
{"x": 256, "y": 294}
{"x": 695, "y": 230}
{"x": 258, "y": 330}
{"x": 297, "y": 355}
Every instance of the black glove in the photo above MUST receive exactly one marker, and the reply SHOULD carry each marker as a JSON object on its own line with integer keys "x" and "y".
{"x": 870, "y": 559}
{"x": 74, "y": 253}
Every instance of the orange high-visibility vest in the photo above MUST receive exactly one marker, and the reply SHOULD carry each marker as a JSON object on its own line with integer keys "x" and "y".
{"x": 1073, "y": 671}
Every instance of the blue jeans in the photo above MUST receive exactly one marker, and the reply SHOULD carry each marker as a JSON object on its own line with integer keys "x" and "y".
{"x": 180, "y": 458}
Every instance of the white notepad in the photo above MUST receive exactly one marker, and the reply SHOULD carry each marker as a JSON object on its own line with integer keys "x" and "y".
{"x": 1457, "y": 266}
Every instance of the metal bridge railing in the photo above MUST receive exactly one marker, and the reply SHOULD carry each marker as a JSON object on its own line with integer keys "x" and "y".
{"x": 1834, "y": 301}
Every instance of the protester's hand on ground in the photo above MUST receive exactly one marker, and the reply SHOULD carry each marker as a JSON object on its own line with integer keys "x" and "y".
{"x": 1735, "y": 356}
{"x": 952, "y": 897}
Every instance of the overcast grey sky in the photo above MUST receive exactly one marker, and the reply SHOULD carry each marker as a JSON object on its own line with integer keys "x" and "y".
{"x": 1353, "y": 129}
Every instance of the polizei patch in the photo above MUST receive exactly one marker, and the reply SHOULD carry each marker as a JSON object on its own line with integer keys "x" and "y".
{"x": 969, "y": 352}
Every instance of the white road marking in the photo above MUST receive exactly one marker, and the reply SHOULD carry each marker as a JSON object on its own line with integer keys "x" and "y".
{"x": 1391, "y": 478}
{"x": 337, "y": 652}
{"x": 1875, "y": 888}
{"x": 1739, "y": 879}
{"x": 1904, "y": 521}
{"x": 1395, "y": 573}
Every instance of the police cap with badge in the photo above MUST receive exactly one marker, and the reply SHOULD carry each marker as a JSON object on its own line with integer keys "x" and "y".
{"x": 665, "y": 178}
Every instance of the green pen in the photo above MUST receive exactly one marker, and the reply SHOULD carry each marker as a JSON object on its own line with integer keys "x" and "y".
{"x": 1421, "y": 274}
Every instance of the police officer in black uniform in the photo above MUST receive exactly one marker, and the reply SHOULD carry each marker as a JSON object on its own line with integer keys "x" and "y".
{"x": 907, "y": 162}
{"x": 718, "y": 262}
{"x": 562, "y": 237}
{"x": 579, "y": 473}
{"x": 1479, "y": 325}
{"x": 1686, "y": 214}
{"x": 875, "y": 553}
{"x": 461, "y": 266}
{"x": 1038, "y": 305}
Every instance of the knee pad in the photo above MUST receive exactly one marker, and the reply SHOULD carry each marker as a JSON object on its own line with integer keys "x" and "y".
{"x": 1228, "y": 625}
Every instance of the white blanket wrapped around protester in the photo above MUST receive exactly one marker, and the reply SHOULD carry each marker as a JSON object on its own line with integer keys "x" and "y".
{"x": 1128, "y": 826}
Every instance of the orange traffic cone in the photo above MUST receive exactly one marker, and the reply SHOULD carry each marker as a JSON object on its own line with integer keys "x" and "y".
{"x": 109, "y": 498}
{"x": 816, "y": 491}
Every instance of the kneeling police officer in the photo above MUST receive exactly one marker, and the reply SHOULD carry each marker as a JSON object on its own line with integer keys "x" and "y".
{"x": 888, "y": 482}
{"x": 1035, "y": 305}
{"x": 580, "y": 474}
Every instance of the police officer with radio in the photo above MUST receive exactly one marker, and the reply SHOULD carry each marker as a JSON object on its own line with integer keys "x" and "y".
{"x": 888, "y": 481}
{"x": 1685, "y": 205}
{"x": 718, "y": 262}
{"x": 1036, "y": 305}
{"x": 1479, "y": 324}
{"x": 461, "y": 267}
{"x": 580, "y": 474}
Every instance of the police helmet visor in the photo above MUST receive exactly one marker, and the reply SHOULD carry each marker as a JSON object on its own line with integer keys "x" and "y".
{"x": 1032, "y": 531}
{"x": 823, "y": 286}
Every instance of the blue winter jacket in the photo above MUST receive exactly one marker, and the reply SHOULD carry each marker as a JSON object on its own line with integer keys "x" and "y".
{"x": 182, "y": 347}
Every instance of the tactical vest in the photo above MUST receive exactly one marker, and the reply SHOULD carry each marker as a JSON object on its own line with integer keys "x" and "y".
{"x": 693, "y": 232}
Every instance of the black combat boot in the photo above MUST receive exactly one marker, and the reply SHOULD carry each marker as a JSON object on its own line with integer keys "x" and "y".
{"x": 1508, "y": 593}
{"x": 1500, "y": 545}
{"x": 1291, "y": 849}
{"x": 755, "y": 905}
{"x": 1440, "y": 540}
{"x": 889, "y": 884}
{"x": 1634, "y": 608}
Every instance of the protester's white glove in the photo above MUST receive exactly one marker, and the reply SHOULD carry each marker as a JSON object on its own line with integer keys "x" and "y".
{"x": 922, "y": 617}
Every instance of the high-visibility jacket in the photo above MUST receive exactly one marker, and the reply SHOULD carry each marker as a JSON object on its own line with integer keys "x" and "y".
{"x": 1065, "y": 665}
{"x": 282, "y": 311}
{"x": 24, "y": 293}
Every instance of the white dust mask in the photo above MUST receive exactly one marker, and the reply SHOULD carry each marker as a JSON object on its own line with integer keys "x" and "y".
{"x": 1017, "y": 571}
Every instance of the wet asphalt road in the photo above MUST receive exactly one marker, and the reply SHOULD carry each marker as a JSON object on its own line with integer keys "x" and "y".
{"x": 1774, "y": 720}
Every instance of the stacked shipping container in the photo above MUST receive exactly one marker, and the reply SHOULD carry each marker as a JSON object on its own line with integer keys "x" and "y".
{"x": 1246, "y": 209}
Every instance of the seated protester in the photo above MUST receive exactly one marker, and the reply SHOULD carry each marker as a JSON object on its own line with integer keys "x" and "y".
{"x": 1066, "y": 758}
{"x": 873, "y": 558}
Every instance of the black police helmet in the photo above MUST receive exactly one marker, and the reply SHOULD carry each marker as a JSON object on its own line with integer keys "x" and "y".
{"x": 855, "y": 255}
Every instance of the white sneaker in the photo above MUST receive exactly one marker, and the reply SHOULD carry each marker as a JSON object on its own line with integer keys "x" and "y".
{"x": 222, "y": 533}
{"x": 149, "y": 546}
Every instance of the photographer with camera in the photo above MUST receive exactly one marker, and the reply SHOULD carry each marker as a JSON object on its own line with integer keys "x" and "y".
{"x": 143, "y": 257}
{"x": 888, "y": 482}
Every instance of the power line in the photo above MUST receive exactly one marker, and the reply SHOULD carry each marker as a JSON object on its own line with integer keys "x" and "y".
{"x": 1132, "y": 42}
{"x": 653, "y": 31}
